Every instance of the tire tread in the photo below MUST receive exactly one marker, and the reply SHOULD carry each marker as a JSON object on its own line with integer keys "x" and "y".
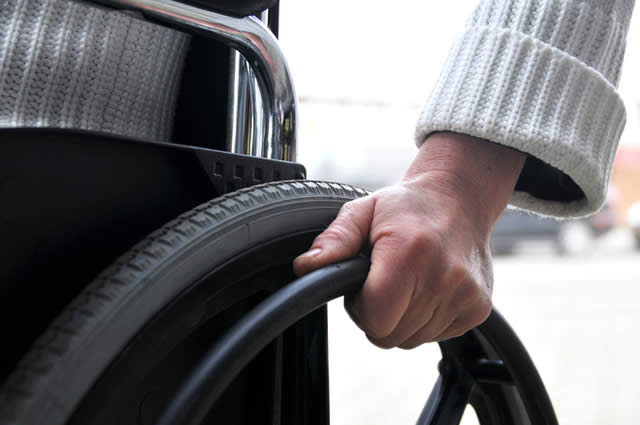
{"x": 88, "y": 309}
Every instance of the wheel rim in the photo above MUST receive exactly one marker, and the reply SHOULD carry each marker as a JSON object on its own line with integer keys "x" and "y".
{"x": 471, "y": 367}
{"x": 130, "y": 390}
{"x": 470, "y": 373}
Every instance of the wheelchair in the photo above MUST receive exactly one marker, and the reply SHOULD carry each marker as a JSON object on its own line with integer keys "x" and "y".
{"x": 195, "y": 316}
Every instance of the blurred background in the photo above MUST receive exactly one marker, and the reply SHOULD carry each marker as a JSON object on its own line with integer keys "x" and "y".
{"x": 363, "y": 71}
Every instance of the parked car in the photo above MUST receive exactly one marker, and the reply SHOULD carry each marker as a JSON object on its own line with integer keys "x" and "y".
{"x": 569, "y": 237}
{"x": 633, "y": 219}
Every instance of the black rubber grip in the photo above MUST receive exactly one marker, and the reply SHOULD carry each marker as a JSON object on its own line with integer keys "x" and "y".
{"x": 258, "y": 328}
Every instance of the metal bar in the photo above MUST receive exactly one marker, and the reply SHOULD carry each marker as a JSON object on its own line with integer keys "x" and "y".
{"x": 433, "y": 402}
{"x": 449, "y": 397}
{"x": 254, "y": 331}
{"x": 274, "y": 19}
{"x": 491, "y": 372}
{"x": 522, "y": 371}
{"x": 246, "y": 124}
{"x": 276, "y": 418}
{"x": 257, "y": 44}
{"x": 236, "y": 119}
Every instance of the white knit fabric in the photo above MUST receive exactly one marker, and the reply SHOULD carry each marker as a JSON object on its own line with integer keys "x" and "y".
{"x": 540, "y": 76}
{"x": 71, "y": 65}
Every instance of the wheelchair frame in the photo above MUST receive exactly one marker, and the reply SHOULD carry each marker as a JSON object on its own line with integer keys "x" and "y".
{"x": 475, "y": 369}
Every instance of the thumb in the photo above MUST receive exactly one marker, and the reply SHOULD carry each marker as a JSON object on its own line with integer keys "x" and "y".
{"x": 342, "y": 240}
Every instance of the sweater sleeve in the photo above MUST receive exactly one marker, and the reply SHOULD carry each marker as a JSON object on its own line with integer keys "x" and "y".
{"x": 540, "y": 76}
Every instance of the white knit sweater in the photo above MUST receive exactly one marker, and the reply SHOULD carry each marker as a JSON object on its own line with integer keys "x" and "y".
{"x": 67, "y": 64}
{"x": 535, "y": 75}
{"x": 540, "y": 76}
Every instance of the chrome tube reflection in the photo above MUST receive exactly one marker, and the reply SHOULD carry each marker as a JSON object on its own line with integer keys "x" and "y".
{"x": 260, "y": 48}
{"x": 246, "y": 124}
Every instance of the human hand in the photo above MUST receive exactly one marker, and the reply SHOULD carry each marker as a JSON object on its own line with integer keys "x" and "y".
{"x": 431, "y": 274}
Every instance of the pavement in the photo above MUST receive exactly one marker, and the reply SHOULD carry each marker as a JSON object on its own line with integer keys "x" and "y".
{"x": 577, "y": 316}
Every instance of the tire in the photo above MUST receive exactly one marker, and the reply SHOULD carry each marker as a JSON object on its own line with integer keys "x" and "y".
{"x": 241, "y": 234}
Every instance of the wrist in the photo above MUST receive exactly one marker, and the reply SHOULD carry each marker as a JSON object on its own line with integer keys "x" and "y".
{"x": 478, "y": 173}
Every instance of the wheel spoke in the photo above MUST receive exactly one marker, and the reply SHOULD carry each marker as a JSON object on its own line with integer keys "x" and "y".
{"x": 491, "y": 371}
{"x": 449, "y": 397}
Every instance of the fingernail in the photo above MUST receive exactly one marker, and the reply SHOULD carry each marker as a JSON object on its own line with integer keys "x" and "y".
{"x": 311, "y": 253}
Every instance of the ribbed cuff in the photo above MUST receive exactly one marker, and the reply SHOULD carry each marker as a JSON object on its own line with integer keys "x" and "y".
{"x": 510, "y": 88}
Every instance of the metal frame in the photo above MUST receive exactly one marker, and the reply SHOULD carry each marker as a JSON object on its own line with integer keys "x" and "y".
{"x": 278, "y": 131}
{"x": 246, "y": 118}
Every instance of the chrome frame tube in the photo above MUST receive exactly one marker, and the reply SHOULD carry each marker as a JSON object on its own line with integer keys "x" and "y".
{"x": 234, "y": 129}
{"x": 260, "y": 48}
{"x": 245, "y": 123}
{"x": 241, "y": 131}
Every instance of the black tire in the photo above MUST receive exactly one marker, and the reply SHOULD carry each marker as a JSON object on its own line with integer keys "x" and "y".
{"x": 64, "y": 364}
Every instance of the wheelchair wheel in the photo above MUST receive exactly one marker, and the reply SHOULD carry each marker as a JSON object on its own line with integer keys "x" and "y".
{"x": 124, "y": 348}
{"x": 117, "y": 352}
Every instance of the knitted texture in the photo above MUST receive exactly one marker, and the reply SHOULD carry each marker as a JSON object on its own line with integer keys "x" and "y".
{"x": 69, "y": 65}
{"x": 540, "y": 76}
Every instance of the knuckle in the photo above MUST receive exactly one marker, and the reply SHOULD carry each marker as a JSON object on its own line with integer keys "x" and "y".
{"x": 479, "y": 315}
{"x": 485, "y": 311}
{"x": 337, "y": 232}
{"x": 352, "y": 208}
{"x": 471, "y": 292}
{"x": 421, "y": 242}
{"x": 344, "y": 228}
{"x": 457, "y": 272}
{"x": 459, "y": 332}
{"x": 425, "y": 336}
{"x": 376, "y": 328}
{"x": 455, "y": 333}
{"x": 383, "y": 343}
{"x": 410, "y": 345}
{"x": 347, "y": 209}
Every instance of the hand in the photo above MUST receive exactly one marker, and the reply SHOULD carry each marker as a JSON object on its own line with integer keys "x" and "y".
{"x": 431, "y": 274}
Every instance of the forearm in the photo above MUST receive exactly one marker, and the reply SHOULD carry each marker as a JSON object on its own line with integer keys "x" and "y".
{"x": 476, "y": 172}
